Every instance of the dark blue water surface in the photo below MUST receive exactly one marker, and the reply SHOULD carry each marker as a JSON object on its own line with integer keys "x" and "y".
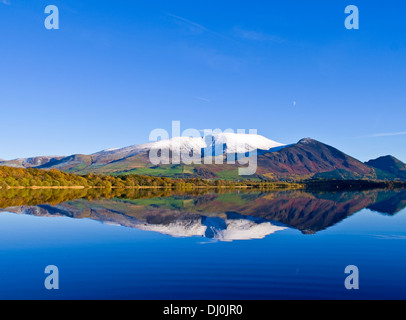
{"x": 119, "y": 257}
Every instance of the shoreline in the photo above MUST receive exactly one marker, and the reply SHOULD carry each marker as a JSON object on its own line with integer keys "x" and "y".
{"x": 152, "y": 187}
{"x": 344, "y": 185}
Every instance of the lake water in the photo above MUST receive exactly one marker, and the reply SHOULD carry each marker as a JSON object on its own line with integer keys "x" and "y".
{"x": 207, "y": 245}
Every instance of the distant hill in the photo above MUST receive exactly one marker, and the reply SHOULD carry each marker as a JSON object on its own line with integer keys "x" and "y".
{"x": 30, "y": 162}
{"x": 312, "y": 159}
{"x": 388, "y": 167}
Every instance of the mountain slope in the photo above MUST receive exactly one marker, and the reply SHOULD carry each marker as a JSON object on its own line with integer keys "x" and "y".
{"x": 31, "y": 162}
{"x": 227, "y": 142}
{"x": 312, "y": 159}
{"x": 137, "y": 156}
{"x": 388, "y": 167}
{"x": 306, "y": 159}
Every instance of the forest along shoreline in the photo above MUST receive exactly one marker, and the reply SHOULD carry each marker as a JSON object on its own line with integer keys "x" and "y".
{"x": 21, "y": 178}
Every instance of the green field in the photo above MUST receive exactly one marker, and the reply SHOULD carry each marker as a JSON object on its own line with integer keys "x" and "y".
{"x": 161, "y": 171}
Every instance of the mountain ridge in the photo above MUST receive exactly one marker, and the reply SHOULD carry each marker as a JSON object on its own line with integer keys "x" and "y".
{"x": 306, "y": 159}
{"x": 389, "y": 164}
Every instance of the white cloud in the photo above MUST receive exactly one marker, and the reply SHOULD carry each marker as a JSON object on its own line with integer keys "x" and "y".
{"x": 387, "y": 134}
{"x": 203, "y": 99}
{"x": 255, "y": 35}
{"x": 196, "y": 27}
{"x": 192, "y": 24}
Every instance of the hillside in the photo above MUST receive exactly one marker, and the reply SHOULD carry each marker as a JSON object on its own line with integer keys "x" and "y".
{"x": 30, "y": 162}
{"x": 388, "y": 167}
{"x": 312, "y": 159}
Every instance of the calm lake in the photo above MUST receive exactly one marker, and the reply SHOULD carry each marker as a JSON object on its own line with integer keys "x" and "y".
{"x": 202, "y": 245}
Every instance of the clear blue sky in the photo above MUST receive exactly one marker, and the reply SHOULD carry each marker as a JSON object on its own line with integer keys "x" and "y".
{"x": 115, "y": 70}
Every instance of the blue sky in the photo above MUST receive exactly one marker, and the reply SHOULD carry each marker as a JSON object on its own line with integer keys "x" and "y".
{"x": 115, "y": 70}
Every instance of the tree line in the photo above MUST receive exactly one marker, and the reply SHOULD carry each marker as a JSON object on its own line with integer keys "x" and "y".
{"x": 20, "y": 177}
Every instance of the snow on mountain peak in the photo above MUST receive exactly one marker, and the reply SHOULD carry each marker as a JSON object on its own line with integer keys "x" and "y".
{"x": 234, "y": 143}
{"x": 219, "y": 142}
{"x": 247, "y": 142}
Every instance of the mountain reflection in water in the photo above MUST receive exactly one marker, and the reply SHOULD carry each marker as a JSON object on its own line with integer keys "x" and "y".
{"x": 221, "y": 215}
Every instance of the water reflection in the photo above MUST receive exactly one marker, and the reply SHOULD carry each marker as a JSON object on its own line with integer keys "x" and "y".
{"x": 221, "y": 215}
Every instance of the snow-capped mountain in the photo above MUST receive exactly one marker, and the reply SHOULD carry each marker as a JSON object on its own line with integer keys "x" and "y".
{"x": 237, "y": 142}
{"x": 137, "y": 156}
{"x": 230, "y": 142}
{"x": 226, "y": 142}
{"x": 305, "y": 159}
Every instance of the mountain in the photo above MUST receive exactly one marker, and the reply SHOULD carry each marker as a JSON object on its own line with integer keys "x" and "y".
{"x": 312, "y": 159}
{"x": 307, "y": 159}
{"x": 31, "y": 162}
{"x": 135, "y": 159}
{"x": 226, "y": 142}
{"x": 388, "y": 167}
